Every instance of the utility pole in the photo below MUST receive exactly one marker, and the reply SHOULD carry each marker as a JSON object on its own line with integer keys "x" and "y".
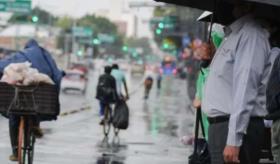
{"x": 66, "y": 48}
{"x": 74, "y": 25}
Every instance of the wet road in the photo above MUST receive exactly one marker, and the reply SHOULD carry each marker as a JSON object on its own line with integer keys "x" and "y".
{"x": 153, "y": 136}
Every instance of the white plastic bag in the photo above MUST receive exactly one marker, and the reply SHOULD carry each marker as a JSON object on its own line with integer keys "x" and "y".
{"x": 23, "y": 74}
{"x": 15, "y": 72}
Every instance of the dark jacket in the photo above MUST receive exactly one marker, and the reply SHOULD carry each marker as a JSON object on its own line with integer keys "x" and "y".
{"x": 273, "y": 89}
{"x": 40, "y": 59}
{"x": 106, "y": 81}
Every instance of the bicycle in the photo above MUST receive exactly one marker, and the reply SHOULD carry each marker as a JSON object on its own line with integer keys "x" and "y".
{"x": 26, "y": 140}
{"x": 23, "y": 105}
{"x": 107, "y": 122}
{"x": 30, "y": 104}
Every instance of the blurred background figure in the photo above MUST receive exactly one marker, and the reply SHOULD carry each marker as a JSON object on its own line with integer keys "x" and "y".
{"x": 148, "y": 84}
{"x": 159, "y": 79}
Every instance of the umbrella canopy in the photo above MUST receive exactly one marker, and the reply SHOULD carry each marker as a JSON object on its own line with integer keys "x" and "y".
{"x": 209, "y": 4}
{"x": 223, "y": 8}
{"x": 207, "y": 16}
{"x": 268, "y": 2}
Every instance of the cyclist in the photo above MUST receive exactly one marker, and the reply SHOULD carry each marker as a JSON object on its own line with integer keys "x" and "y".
{"x": 42, "y": 60}
{"x": 106, "y": 91}
{"x": 120, "y": 80}
{"x": 148, "y": 83}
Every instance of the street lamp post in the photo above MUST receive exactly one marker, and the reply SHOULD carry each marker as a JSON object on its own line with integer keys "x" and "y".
{"x": 73, "y": 42}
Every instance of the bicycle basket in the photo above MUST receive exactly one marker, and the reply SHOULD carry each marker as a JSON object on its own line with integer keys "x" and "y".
{"x": 41, "y": 99}
{"x": 7, "y": 93}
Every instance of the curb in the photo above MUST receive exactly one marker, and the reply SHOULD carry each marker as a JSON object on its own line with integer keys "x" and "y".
{"x": 71, "y": 112}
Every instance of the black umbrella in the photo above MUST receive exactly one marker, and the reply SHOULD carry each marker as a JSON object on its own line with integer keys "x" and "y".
{"x": 223, "y": 8}
{"x": 267, "y": 2}
{"x": 210, "y": 4}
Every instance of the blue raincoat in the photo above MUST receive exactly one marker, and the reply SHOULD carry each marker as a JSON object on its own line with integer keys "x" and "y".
{"x": 40, "y": 59}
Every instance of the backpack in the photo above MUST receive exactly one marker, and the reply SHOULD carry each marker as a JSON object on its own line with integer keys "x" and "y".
{"x": 273, "y": 91}
{"x": 105, "y": 92}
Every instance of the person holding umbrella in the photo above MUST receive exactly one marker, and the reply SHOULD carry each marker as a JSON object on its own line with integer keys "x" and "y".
{"x": 234, "y": 97}
{"x": 217, "y": 35}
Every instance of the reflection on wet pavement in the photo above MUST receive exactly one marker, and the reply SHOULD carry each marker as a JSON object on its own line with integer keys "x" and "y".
{"x": 153, "y": 136}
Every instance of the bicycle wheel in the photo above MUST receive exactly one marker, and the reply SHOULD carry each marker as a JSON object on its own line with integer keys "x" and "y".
{"x": 116, "y": 131}
{"x": 31, "y": 149}
{"x": 107, "y": 121}
{"x": 21, "y": 141}
{"x": 31, "y": 144}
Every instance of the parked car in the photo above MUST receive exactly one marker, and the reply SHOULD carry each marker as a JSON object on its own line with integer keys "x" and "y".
{"x": 137, "y": 69}
{"x": 80, "y": 66}
{"x": 74, "y": 80}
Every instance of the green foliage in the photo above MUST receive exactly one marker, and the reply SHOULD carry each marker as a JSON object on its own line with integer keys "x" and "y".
{"x": 169, "y": 20}
{"x": 139, "y": 42}
{"x": 44, "y": 17}
{"x": 99, "y": 24}
{"x": 164, "y": 11}
{"x": 64, "y": 22}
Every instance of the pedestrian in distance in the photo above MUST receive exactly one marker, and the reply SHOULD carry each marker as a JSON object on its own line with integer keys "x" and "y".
{"x": 159, "y": 80}
{"x": 234, "y": 97}
{"x": 106, "y": 91}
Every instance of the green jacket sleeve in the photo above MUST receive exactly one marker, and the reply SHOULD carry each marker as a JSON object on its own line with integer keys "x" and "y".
{"x": 199, "y": 83}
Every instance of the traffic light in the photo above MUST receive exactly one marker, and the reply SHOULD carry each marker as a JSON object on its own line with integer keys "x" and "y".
{"x": 35, "y": 19}
{"x": 96, "y": 41}
{"x": 125, "y": 48}
{"x": 80, "y": 53}
{"x": 165, "y": 45}
{"x": 158, "y": 31}
{"x": 161, "y": 25}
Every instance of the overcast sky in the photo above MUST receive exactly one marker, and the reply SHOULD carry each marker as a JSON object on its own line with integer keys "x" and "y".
{"x": 77, "y": 8}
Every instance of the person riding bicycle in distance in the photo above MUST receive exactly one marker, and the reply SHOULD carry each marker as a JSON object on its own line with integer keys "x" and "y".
{"x": 120, "y": 79}
{"x": 148, "y": 83}
{"x": 106, "y": 91}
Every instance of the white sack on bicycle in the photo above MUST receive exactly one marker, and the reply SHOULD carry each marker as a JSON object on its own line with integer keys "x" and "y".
{"x": 23, "y": 74}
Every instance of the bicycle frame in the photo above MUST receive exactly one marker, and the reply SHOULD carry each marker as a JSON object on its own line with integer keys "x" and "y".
{"x": 26, "y": 141}
{"x": 108, "y": 122}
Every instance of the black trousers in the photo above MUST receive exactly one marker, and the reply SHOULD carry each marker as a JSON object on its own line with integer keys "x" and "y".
{"x": 14, "y": 122}
{"x": 250, "y": 151}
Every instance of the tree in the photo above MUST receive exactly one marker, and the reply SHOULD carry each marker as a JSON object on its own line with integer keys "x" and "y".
{"x": 174, "y": 23}
{"x": 99, "y": 24}
{"x": 139, "y": 42}
{"x": 44, "y": 17}
{"x": 65, "y": 22}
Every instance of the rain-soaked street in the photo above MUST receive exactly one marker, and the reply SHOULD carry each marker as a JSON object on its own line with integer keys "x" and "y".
{"x": 153, "y": 136}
